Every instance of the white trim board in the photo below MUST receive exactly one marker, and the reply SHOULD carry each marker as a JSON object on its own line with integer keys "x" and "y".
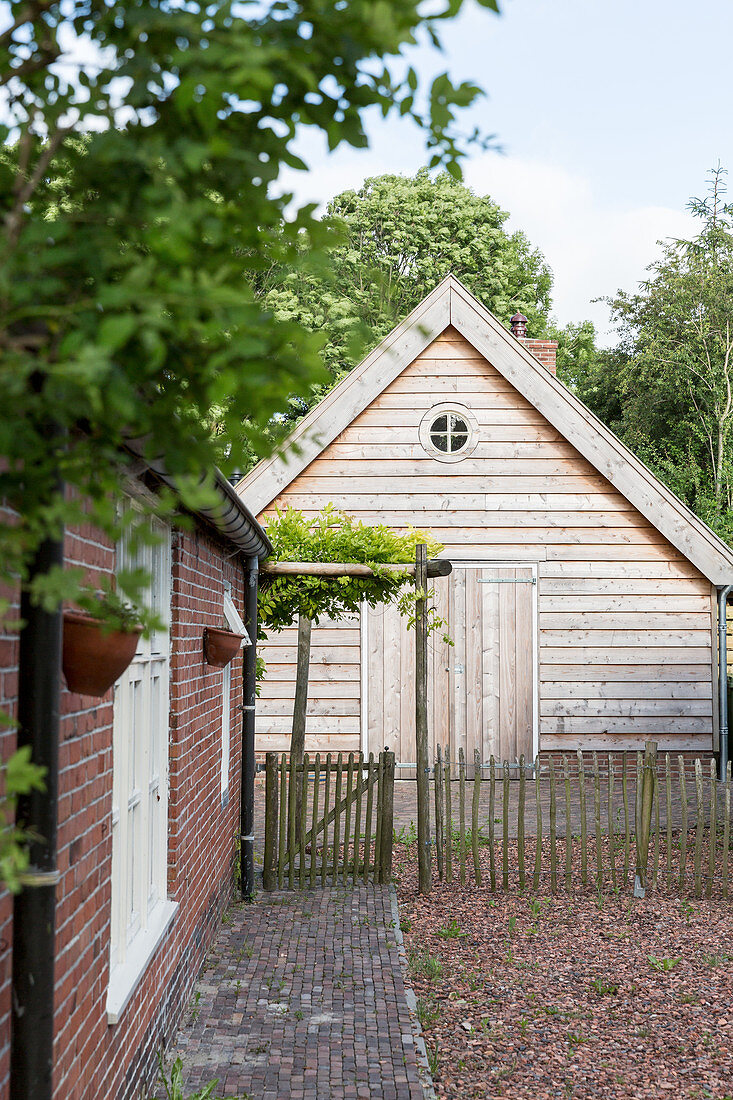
{"x": 451, "y": 304}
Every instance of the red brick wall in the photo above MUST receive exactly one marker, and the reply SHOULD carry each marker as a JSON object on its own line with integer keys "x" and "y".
{"x": 93, "y": 1059}
{"x": 544, "y": 350}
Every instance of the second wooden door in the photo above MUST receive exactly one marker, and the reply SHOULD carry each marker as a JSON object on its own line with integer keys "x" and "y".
{"x": 480, "y": 689}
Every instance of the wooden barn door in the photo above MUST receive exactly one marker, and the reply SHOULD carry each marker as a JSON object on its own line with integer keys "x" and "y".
{"x": 480, "y": 689}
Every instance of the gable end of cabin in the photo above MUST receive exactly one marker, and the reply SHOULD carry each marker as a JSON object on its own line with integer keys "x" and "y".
{"x": 576, "y": 624}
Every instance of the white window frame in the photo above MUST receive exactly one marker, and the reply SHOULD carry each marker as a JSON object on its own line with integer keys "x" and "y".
{"x": 141, "y": 911}
{"x": 445, "y": 408}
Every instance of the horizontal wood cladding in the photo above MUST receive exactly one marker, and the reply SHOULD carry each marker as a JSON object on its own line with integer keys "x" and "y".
{"x": 559, "y": 674}
{"x": 629, "y": 742}
{"x": 322, "y": 741}
{"x": 317, "y": 689}
{"x": 314, "y": 723}
{"x": 626, "y": 708}
{"x": 625, "y": 620}
{"x": 483, "y": 504}
{"x": 654, "y": 724}
{"x": 334, "y": 687}
{"x": 627, "y": 688}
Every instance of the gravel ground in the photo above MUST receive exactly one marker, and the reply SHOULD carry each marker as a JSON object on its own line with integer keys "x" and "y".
{"x": 579, "y": 995}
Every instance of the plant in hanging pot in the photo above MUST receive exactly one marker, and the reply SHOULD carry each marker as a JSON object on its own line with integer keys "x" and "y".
{"x": 99, "y": 642}
{"x": 221, "y": 645}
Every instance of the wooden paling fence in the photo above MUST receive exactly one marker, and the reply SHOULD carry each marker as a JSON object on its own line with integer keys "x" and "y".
{"x": 651, "y": 825}
{"x": 328, "y": 820}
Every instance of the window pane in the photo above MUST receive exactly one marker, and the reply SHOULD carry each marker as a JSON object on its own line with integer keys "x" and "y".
{"x": 458, "y": 424}
{"x": 449, "y": 433}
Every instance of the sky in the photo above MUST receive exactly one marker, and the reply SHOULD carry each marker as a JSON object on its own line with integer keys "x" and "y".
{"x": 609, "y": 114}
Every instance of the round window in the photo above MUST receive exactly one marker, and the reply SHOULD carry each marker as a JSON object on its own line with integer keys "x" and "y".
{"x": 449, "y": 432}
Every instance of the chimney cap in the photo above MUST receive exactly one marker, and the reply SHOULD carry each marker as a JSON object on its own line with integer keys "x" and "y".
{"x": 519, "y": 324}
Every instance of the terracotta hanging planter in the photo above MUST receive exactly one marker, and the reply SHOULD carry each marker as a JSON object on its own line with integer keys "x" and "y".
{"x": 92, "y": 660}
{"x": 221, "y": 646}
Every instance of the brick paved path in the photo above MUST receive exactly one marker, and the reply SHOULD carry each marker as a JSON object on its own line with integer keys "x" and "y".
{"x": 303, "y": 998}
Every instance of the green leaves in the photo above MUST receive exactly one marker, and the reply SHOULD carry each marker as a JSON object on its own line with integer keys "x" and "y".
{"x": 131, "y": 243}
{"x": 20, "y": 777}
{"x": 333, "y": 536}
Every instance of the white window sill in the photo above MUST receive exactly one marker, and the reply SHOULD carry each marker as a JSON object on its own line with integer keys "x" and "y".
{"x": 125, "y": 977}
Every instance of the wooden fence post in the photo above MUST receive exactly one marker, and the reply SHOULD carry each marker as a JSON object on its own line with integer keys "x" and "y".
{"x": 644, "y": 825}
{"x": 597, "y": 822}
{"x": 368, "y": 823}
{"x": 438, "y": 787}
{"x": 726, "y": 829}
{"x": 300, "y": 704}
{"x": 699, "y": 827}
{"x": 268, "y": 867}
{"x": 583, "y": 821}
{"x": 492, "y": 811}
{"x": 627, "y": 836}
{"x": 505, "y": 828}
{"x": 520, "y": 822}
{"x": 713, "y": 838}
{"x": 474, "y": 815}
{"x": 448, "y": 829}
{"x": 356, "y": 866}
{"x": 282, "y": 840}
{"x": 387, "y": 802}
{"x": 568, "y": 828}
{"x": 553, "y": 828}
{"x": 421, "y": 718}
{"x": 314, "y": 819}
{"x": 538, "y": 838}
{"x": 462, "y": 814}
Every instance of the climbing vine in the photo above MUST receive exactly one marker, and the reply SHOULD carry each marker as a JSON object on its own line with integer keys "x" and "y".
{"x": 333, "y": 536}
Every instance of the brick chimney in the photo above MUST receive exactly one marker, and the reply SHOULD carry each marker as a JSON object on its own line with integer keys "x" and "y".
{"x": 545, "y": 351}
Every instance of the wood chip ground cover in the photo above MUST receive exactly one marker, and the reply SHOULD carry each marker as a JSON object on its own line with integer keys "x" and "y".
{"x": 578, "y": 995}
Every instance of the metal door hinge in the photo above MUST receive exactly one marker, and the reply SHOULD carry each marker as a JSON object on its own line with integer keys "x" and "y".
{"x": 507, "y": 580}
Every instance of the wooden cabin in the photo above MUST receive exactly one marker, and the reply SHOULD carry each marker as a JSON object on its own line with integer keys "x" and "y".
{"x": 582, "y": 602}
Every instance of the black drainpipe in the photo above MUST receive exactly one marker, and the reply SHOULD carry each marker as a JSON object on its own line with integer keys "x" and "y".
{"x": 723, "y": 678}
{"x": 249, "y": 696}
{"x": 34, "y": 908}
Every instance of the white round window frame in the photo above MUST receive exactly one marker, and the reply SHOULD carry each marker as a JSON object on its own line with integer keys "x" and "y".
{"x": 429, "y": 419}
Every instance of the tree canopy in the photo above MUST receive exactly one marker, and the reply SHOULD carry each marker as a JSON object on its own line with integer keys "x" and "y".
{"x": 667, "y": 387}
{"x": 142, "y": 143}
{"x": 392, "y": 241}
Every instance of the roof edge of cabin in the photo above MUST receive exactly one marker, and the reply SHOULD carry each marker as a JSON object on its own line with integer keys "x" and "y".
{"x": 349, "y": 398}
{"x": 451, "y": 303}
{"x": 593, "y": 439}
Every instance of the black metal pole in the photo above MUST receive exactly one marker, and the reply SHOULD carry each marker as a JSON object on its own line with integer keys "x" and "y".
{"x": 249, "y": 696}
{"x": 34, "y": 910}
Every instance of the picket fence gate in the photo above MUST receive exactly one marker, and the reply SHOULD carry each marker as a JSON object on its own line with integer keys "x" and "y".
{"x": 328, "y": 820}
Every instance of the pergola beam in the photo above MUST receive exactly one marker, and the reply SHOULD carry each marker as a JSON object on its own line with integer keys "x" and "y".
{"x": 437, "y": 567}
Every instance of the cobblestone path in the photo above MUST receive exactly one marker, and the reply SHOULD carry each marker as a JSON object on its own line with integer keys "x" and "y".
{"x": 303, "y": 997}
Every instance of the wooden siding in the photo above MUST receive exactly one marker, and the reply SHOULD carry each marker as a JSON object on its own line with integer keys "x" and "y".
{"x": 619, "y": 606}
{"x": 333, "y": 716}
